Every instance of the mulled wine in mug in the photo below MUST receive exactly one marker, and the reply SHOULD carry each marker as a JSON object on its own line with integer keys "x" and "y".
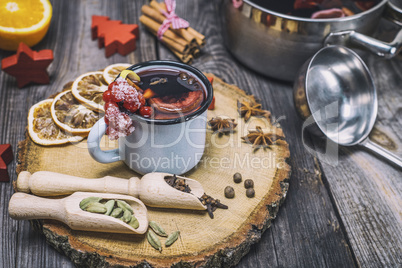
{"x": 160, "y": 120}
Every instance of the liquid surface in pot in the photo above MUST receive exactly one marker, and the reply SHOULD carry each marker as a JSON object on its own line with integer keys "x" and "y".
{"x": 306, "y": 8}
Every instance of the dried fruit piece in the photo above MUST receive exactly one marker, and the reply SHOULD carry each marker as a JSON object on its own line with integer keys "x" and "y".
{"x": 43, "y": 130}
{"x": 71, "y": 116}
{"x": 88, "y": 89}
{"x": 172, "y": 238}
{"x": 187, "y": 102}
{"x": 112, "y": 71}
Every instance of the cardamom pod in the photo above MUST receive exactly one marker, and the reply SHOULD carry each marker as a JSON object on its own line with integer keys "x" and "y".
{"x": 96, "y": 208}
{"x": 126, "y": 216}
{"x": 134, "y": 222}
{"x": 154, "y": 240}
{"x": 109, "y": 206}
{"x": 116, "y": 213}
{"x": 172, "y": 238}
{"x": 124, "y": 205}
{"x": 85, "y": 202}
{"x": 157, "y": 228}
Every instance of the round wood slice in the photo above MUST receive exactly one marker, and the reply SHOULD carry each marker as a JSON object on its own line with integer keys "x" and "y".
{"x": 203, "y": 241}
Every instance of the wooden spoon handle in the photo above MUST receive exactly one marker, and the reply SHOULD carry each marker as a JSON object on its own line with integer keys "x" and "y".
{"x": 27, "y": 207}
{"x": 46, "y": 183}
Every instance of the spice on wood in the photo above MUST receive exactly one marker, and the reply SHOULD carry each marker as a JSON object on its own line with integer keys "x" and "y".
{"x": 222, "y": 125}
{"x": 177, "y": 183}
{"x": 247, "y": 109}
{"x": 211, "y": 204}
{"x": 259, "y": 139}
{"x": 237, "y": 177}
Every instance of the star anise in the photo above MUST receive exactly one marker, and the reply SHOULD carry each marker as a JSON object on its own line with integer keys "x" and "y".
{"x": 247, "y": 109}
{"x": 222, "y": 125}
{"x": 261, "y": 139}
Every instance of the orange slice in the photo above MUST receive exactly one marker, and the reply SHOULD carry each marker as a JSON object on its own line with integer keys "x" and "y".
{"x": 23, "y": 21}
{"x": 72, "y": 116}
{"x": 43, "y": 130}
{"x": 88, "y": 89}
{"x": 112, "y": 71}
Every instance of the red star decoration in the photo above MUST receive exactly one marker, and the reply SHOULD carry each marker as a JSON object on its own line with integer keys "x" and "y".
{"x": 6, "y": 156}
{"x": 114, "y": 35}
{"x": 28, "y": 66}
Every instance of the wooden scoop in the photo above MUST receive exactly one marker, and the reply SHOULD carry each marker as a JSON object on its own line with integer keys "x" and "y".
{"x": 152, "y": 188}
{"x": 23, "y": 206}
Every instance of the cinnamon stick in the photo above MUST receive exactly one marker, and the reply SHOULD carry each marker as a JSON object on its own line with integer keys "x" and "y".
{"x": 158, "y": 17}
{"x": 198, "y": 36}
{"x": 154, "y": 26}
{"x": 172, "y": 45}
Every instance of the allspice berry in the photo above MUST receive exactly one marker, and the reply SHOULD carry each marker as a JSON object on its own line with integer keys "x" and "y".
{"x": 248, "y": 183}
{"x": 229, "y": 192}
{"x": 237, "y": 178}
{"x": 250, "y": 192}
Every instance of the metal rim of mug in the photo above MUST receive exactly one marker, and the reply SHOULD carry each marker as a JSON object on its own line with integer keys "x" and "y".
{"x": 290, "y": 17}
{"x": 180, "y": 65}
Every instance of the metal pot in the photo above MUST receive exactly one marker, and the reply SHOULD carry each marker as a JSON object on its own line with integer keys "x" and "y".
{"x": 277, "y": 45}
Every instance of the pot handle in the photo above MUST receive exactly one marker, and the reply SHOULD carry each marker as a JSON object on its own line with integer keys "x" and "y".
{"x": 382, "y": 49}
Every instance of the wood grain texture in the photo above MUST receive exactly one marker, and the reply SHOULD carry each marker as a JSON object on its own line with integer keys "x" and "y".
{"x": 325, "y": 222}
{"x": 366, "y": 189}
{"x": 203, "y": 241}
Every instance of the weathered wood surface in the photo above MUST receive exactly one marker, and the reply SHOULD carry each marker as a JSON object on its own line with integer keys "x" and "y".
{"x": 203, "y": 241}
{"x": 343, "y": 216}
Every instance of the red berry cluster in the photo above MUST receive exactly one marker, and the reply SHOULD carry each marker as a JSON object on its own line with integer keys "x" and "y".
{"x": 121, "y": 93}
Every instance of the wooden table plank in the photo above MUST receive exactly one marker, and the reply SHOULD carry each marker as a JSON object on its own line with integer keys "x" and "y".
{"x": 328, "y": 209}
{"x": 366, "y": 189}
{"x": 308, "y": 203}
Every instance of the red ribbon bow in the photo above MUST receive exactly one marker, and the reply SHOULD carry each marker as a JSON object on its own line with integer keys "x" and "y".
{"x": 171, "y": 18}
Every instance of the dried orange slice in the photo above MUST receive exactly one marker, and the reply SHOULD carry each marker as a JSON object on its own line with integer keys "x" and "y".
{"x": 23, "y": 21}
{"x": 110, "y": 73}
{"x": 72, "y": 116}
{"x": 43, "y": 130}
{"x": 88, "y": 89}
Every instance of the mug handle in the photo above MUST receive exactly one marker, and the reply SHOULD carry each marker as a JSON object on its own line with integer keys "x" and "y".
{"x": 94, "y": 138}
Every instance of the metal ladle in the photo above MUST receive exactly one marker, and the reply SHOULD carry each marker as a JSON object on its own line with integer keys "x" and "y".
{"x": 335, "y": 92}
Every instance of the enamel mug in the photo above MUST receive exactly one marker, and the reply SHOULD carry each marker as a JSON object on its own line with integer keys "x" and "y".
{"x": 166, "y": 145}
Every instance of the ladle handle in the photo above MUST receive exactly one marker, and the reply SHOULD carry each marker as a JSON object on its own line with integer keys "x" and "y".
{"x": 27, "y": 207}
{"x": 382, "y": 49}
{"x": 46, "y": 183}
{"x": 397, "y": 161}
